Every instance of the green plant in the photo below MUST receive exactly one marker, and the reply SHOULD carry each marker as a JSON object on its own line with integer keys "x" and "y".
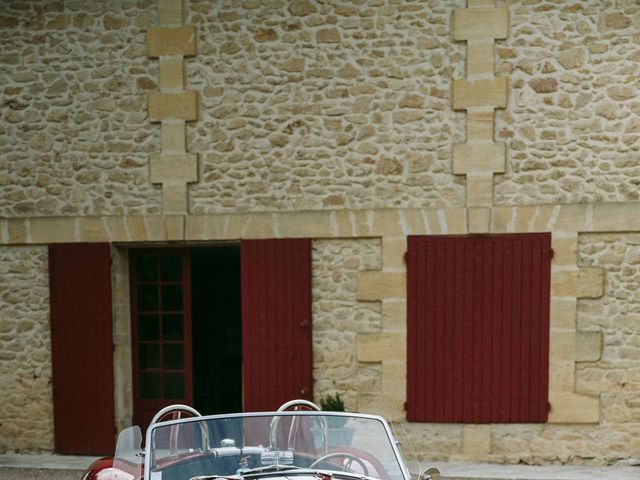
{"x": 332, "y": 403}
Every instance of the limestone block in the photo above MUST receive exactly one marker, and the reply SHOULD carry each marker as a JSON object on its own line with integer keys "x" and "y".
{"x": 479, "y": 158}
{"x": 481, "y": 3}
{"x": 259, "y": 225}
{"x": 565, "y": 250}
{"x": 524, "y": 215}
{"x": 480, "y": 125}
{"x": 378, "y": 347}
{"x": 412, "y": 221}
{"x": 171, "y": 41}
{"x": 479, "y": 219}
{"x": 304, "y": 225}
{"x": 562, "y": 312}
{"x": 394, "y": 373}
{"x": 572, "y": 218}
{"x": 388, "y": 405}
{"x": 562, "y": 345}
{"x": 485, "y": 23}
{"x": 590, "y": 282}
{"x": 207, "y": 227}
{"x": 476, "y": 440}
{"x": 173, "y": 137}
{"x": 480, "y": 57}
{"x": 480, "y": 93}
{"x": 172, "y": 73}
{"x": 137, "y": 228}
{"x": 179, "y": 106}
{"x": 573, "y": 408}
{"x": 174, "y": 197}
{"x": 479, "y": 189}
{"x": 173, "y": 168}
{"x": 155, "y": 228}
{"x": 376, "y": 285}
{"x": 386, "y": 222}
{"x": 52, "y": 230}
{"x": 170, "y": 12}
{"x": 394, "y": 315}
{"x": 616, "y": 217}
{"x": 562, "y": 376}
{"x": 93, "y": 229}
{"x": 455, "y": 220}
{"x": 501, "y": 219}
{"x": 563, "y": 282}
{"x": 588, "y": 346}
{"x": 174, "y": 227}
{"x": 117, "y": 229}
{"x": 17, "y": 231}
{"x": 393, "y": 250}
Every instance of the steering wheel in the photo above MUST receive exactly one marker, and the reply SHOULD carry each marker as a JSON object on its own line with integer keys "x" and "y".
{"x": 346, "y": 467}
{"x": 175, "y": 412}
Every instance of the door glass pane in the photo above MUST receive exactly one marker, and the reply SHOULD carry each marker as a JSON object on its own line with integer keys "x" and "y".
{"x": 148, "y": 327}
{"x": 150, "y": 386}
{"x": 172, "y": 327}
{"x": 172, "y": 356}
{"x": 172, "y": 297}
{"x": 147, "y": 268}
{"x": 147, "y": 297}
{"x": 171, "y": 268}
{"x": 173, "y": 385}
{"x": 149, "y": 355}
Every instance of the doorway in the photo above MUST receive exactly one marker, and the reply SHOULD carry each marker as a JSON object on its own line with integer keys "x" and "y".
{"x": 216, "y": 329}
{"x": 186, "y": 329}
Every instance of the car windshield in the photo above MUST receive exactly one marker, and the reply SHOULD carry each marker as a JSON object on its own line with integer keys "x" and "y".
{"x": 276, "y": 444}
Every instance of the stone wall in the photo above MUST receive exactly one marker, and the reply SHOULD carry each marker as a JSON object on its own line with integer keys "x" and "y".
{"x": 573, "y": 116}
{"x": 26, "y": 416}
{"x": 75, "y": 138}
{"x": 338, "y": 318}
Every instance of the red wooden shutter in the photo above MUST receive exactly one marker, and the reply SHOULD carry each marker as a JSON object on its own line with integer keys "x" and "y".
{"x": 82, "y": 348}
{"x": 478, "y": 328}
{"x": 276, "y": 322}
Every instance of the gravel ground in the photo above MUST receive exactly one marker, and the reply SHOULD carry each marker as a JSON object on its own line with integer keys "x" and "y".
{"x": 11, "y": 473}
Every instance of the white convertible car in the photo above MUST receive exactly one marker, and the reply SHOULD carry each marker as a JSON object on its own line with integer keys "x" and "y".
{"x": 298, "y": 442}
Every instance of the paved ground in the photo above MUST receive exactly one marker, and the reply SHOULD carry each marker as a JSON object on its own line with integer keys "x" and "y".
{"x": 59, "y": 467}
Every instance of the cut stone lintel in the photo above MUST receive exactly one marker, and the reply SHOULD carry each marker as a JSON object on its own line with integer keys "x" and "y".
{"x": 171, "y": 41}
{"x": 481, "y": 23}
{"x": 178, "y": 106}
{"x": 480, "y": 93}
{"x": 479, "y": 158}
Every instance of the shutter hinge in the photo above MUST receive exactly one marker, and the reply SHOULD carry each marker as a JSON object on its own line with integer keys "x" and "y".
{"x": 406, "y": 257}
{"x": 548, "y": 406}
{"x": 552, "y": 253}
{"x": 405, "y": 406}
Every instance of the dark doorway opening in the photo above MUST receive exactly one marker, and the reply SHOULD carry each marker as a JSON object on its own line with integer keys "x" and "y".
{"x": 216, "y": 329}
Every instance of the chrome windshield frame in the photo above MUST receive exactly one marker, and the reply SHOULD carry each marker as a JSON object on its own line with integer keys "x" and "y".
{"x": 392, "y": 440}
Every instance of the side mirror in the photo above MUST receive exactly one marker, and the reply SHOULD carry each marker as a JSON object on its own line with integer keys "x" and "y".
{"x": 431, "y": 473}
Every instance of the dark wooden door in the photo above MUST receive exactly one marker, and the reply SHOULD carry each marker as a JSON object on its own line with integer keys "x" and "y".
{"x": 82, "y": 348}
{"x": 161, "y": 331}
{"x": 276, "y": 322}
